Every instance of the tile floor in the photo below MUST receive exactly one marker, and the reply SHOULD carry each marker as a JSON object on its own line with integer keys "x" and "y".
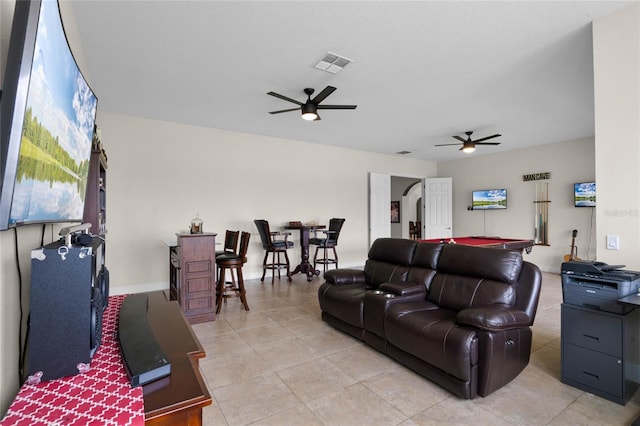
{"x": 280, "y": 364}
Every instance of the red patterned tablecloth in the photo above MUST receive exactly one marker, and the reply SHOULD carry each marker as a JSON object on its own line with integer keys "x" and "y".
{"x": 101, "y": 396}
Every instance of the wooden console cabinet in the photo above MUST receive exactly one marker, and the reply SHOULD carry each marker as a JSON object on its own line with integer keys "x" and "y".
{"x": 179, "y": 398}
{"x": 192, "y": 276}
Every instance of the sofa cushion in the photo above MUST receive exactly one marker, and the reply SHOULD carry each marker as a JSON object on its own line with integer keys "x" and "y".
{"x": 378, "y": 272}
{"x": 424, "y": 263}
{"x": 457, "y": 292}
{"x": 389, "y": 260}
{"x": 432, "y": 335}
{"x": 393, "y": 250}
{"x": 343, "y": 301}
{"x": 489, "y": 263}
{"x": 345, "y": 276}
{"x": 494, "y": 318}
{"x": 426, "y": 255}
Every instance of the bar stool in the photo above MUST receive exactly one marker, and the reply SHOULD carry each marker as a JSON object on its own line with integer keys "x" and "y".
{"x": 230, "y": 247}
{"x": 232, "y": 261}
{"x": 329, "y": 242}
{"x": 272, "y": 242}
{"x": 230, "y": 242}
{"x": 413, "y": 231}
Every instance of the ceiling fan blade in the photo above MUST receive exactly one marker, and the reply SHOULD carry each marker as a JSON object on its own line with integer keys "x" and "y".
{"x": 487, "y": 143}
{"x": 488, "y": 137}
{"x": 284, "y": 98}
{"x": 284, "y": 110}
{"x": 460, "y": 139}
{"x": 447, "y": 144}
{"x": 317, "y": 117}
{"x": 337, "y": 106}
{"x": 322, "y": 95}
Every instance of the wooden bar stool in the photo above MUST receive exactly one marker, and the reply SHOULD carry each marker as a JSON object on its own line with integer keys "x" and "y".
{"x": 230, "y": 242}
{"x": 232, "y": 261}
{"x": 329, "y": 242}
{"x": 231, "y": 239}
{"x": 273, "y": 242}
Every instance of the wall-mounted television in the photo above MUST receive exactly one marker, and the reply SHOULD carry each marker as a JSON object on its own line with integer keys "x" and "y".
{"x": 489, "y": 199}
{"x": 584, "y": 194}
{"x": 47, "y": 118}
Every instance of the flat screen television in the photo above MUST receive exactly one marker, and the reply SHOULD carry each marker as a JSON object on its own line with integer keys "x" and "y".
{"x": 47, "y": 119}
{"x": 489, "y": 199}
{"x": 584, "y": 194}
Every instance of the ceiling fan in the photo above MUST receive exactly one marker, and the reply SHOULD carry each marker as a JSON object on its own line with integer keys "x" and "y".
{"x": 311, "y": 106}
{"x": 469, "y": 145}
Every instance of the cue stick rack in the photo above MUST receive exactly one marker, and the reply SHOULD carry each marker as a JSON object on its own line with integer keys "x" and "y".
{"x": 541, "y": 219}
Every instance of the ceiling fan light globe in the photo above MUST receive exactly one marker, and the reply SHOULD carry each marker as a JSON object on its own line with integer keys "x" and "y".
{"x": 468, "y": 149}
{"x": 309, "y": 112}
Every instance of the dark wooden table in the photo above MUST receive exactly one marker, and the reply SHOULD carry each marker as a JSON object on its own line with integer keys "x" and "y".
{"x": 305, "y": 267}
{"x": 177, "y": 399}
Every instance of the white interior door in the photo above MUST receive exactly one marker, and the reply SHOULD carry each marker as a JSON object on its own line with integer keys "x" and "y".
{"x": 379, "y": 206}
{"x": 438, "y": 221}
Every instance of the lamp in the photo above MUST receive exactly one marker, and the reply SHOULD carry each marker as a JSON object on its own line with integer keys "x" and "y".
{"x": 309, "y": 112}
{"x": 468, "y": 147}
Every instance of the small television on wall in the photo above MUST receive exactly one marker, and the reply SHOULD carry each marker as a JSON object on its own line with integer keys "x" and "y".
{"x": 489, "y": 199}
{"x": 47, "y": 119}
{"x": 584, "y": 194}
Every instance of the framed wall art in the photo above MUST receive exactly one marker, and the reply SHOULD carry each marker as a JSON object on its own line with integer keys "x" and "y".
{"x": 395, "y": 212}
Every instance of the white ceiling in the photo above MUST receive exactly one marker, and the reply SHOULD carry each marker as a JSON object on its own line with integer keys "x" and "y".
{"x": 423, "y": 71}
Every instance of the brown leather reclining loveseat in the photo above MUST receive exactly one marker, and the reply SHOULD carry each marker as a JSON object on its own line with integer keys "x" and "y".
{"x": 460, "y": 316}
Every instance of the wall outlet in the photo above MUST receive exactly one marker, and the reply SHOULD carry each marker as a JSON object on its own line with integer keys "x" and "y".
{"x": 613, "y": 242}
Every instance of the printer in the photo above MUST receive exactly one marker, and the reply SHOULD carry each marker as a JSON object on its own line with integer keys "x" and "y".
{"x": 597, "y": 285}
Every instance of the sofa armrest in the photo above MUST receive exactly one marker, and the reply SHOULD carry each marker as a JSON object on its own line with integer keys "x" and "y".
{"x": 345, "y": 276}
{"x": 494, "y": 318}
{"x": 403, "y": 288}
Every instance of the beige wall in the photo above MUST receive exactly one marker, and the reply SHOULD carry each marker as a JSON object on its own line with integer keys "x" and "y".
{"x": 568, "y": 162}
{"x": 616, "y": 49}
{"x": 162, "y": 174}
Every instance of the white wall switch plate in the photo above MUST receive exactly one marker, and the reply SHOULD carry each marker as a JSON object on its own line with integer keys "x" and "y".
{"x": 613, "y": 242}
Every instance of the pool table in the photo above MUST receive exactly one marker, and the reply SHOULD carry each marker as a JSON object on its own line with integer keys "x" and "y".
{"x": 490, "y": 242}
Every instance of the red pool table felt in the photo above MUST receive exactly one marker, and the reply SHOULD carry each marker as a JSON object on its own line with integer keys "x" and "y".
{"x": 490, "y": 242}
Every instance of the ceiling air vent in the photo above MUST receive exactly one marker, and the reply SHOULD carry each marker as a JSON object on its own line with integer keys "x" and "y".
{"x": 332, "y": 63}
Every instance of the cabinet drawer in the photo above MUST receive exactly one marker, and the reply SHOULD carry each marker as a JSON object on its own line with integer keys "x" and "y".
{"x": 592, "y": 330}
{"x": 198, "y": 266}
{"x": 599, "y": 371}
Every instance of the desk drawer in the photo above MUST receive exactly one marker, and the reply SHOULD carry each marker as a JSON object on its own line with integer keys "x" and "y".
{"x": 596, "y": 370}
{"x": 592, "y": 330}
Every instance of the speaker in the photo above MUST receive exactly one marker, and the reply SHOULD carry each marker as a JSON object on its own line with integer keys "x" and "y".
{"x": 95, "y": 327}
{"x": 102, "y": 282}
{"x": 66, "y": 309}
{"x": 81, "y": 239}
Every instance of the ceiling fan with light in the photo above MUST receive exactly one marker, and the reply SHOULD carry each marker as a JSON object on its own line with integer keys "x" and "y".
{"x": 469, "y": 145}
{"x": 310, "y": 108}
